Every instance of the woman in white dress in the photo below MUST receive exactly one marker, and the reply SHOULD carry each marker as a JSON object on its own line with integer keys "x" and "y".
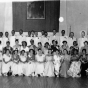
{"x": 17, "y": 46}
{"x": 46, "y": 46}
{"x": 23, "y": 62}
{"x": 40, "y": 58}
{"x": 74, "y": 69}
{"x": 24, "y": 46}
{"x": 31, "y": 63}
{"x": 6, "y": 63}
{"x": 57, "y": 62}
{"x": 49, "y": 66}
{"x": 15, "y": 63}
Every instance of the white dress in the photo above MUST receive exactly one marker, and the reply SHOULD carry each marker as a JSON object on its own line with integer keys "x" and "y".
{"x": 15, "y": 68}
{"x": 26, "y": 49}
{"x": 30, "y": 67}
{"x": 6, "y": 66}
{"x": 57, "y": 64}
{"x": 23, "y": 65}
{"x": 45, "y": 51}
{"x": 74, "y": 69}
{"x": 39, "y": 65}
{"x": 49, "y": 67}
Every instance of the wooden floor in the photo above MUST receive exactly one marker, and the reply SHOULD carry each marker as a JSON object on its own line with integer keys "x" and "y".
{"x": 42, "y": 82}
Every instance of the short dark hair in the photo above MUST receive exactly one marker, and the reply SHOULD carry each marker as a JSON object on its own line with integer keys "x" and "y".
{"x": 24, "y": 42}
{"x": 84, "y": 50}
{"x": 66, "y": 50}
{"x": 86, "y": 42}
{"x": 32, "y": 50}
{"x": 16, "y": 40}
{"x": 64, "y": 41}
{"x": 22, "y": 51}
{"x": 8, "y": 42}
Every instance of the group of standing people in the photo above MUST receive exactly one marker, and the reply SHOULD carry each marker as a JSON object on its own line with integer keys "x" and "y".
{"x": 33, "y": 55}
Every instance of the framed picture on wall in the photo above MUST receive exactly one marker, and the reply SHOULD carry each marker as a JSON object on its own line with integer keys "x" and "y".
{"x": 36, "y": 10}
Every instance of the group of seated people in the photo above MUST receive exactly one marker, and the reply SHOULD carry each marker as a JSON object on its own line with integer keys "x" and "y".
{"x": 51, "y": 56}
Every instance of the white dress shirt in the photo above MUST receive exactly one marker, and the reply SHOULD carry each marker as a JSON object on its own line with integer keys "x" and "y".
{"x": 70, "y": 41}
{"x": 81, "y": 42}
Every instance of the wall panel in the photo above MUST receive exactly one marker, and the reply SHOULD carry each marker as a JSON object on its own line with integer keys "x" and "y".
{"x": 20, "y": 21}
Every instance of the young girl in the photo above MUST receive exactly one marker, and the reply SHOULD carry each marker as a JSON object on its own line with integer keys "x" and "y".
{"x": 31, "y": 63}
{"x": 49, "y": 66}
{"x": 23, "y": 62}
{"x": 65, "y": 64}
{"x": 57, "y": 62}
{"x": 15, "y": 64}
{"x": 74, "y": 69}
{"x": 6, "y": 64}
{"x": 40, "y": 58}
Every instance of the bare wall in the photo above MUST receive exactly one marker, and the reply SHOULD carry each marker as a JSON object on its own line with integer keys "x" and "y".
{"x": 75, "y": 13}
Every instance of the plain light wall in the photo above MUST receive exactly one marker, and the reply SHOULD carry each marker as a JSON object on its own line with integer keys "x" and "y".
{"x": 5, "y": 17}
{"x": 75, "y": 13}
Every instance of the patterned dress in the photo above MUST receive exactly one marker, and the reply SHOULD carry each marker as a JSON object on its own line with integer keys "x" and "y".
{"x": 57, "y": 64}
{"x": 74, "y": 69}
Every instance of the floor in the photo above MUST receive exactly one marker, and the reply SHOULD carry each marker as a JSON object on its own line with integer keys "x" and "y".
{"x": 42, "y": 82}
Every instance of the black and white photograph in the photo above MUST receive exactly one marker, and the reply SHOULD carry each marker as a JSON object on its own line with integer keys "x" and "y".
{"x": 44, "y": 44}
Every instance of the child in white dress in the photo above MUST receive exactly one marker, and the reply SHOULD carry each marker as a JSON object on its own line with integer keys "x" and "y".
{"x": 49, "y": 66}
{"x": 57, "y": 62}
{"x": 6, "y": 64}
{"x": 40, "y": 58}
